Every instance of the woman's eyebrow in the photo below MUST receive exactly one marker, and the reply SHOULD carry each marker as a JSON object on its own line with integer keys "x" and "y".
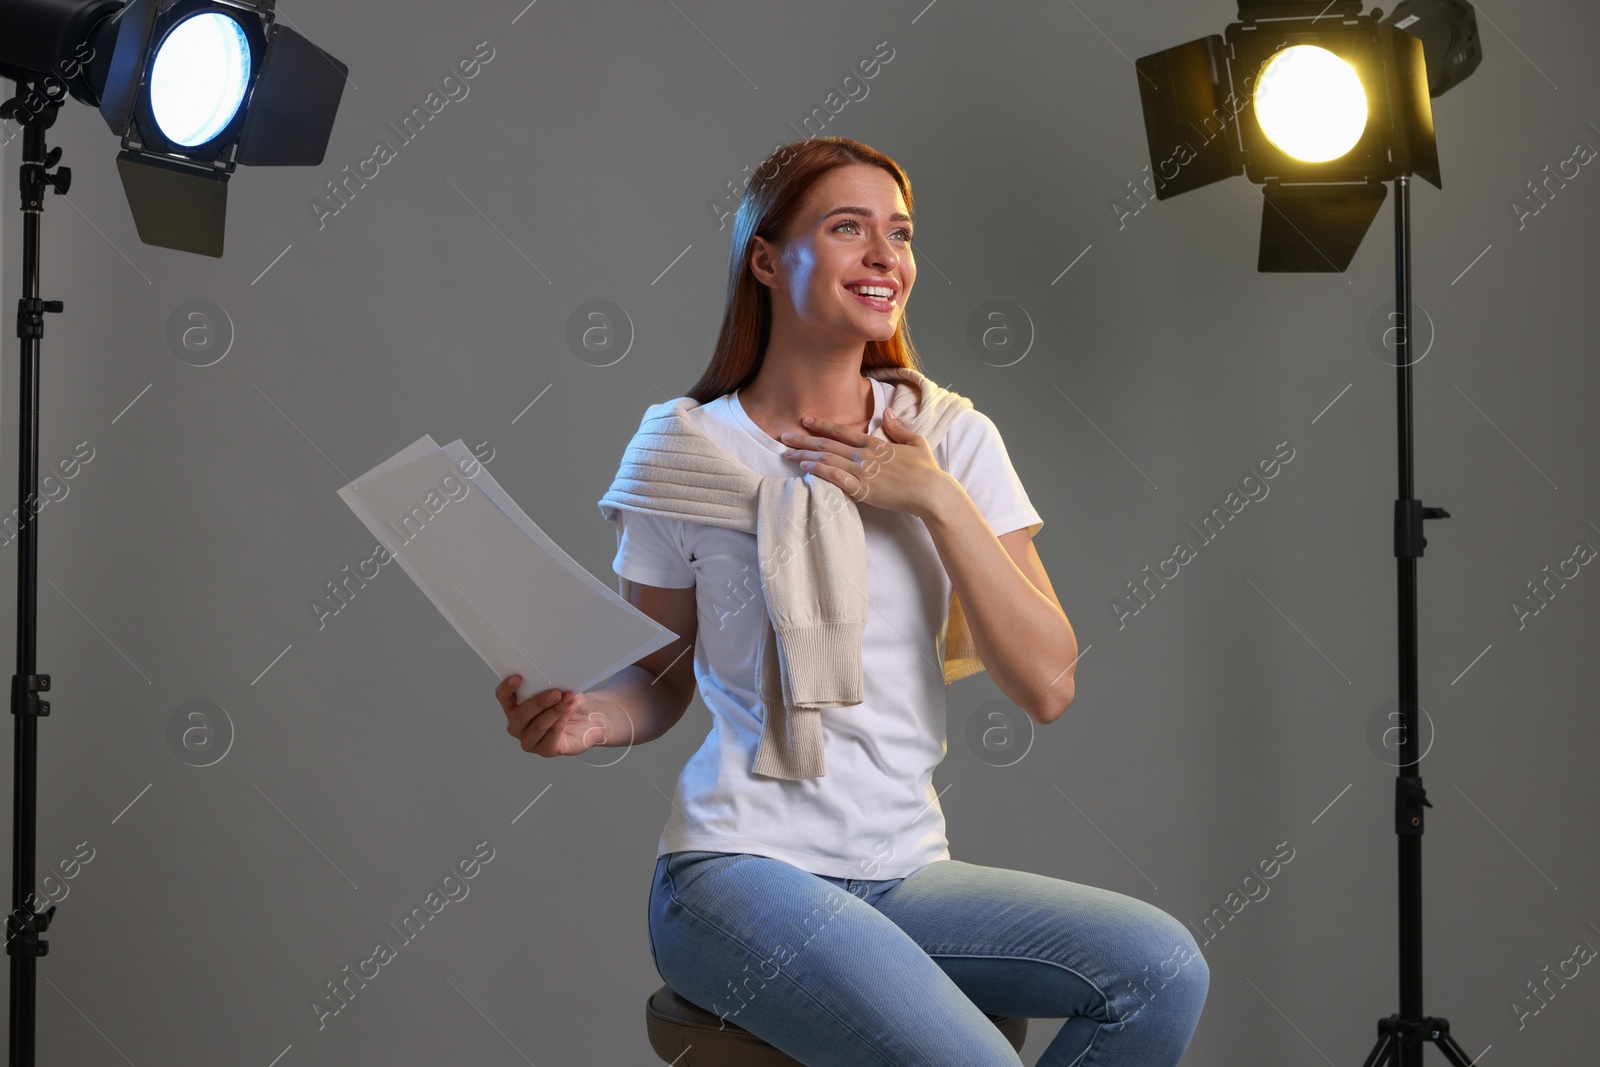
{"x": 867, "y": 211}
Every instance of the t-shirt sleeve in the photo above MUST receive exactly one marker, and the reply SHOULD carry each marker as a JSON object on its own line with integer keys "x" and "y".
{"x": 977, "y": 457}
{"x": 651, "y": 550}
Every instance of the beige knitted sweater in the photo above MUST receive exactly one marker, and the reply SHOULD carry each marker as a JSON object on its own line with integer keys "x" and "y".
{"x": 812, "y": 550}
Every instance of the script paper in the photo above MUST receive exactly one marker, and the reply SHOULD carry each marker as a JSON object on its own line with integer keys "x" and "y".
{"x": 517, "y": 599}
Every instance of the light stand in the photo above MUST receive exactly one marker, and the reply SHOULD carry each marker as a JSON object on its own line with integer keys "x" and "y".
{"x": 1204, "y": 124}
{"x": 24, "y": 925}
{"x": 272, "y": 96}
{"x": 1400, "y": 1036}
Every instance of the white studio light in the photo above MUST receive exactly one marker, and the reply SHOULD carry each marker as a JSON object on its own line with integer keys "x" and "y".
{"x": 200, "y": 77}
{"x": 1310, "y": 103}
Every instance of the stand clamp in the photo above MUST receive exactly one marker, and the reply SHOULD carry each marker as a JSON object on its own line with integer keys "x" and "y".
{"x": 1394, "y": 1032}
{"x": 30, "y": 315}
{"x": 33, "y": 177}
{"x": 1408, "y": 516}
{"x": 1409, "y": 800}
{"x": 24, "y": 700}
{"x": 22, "y": 934}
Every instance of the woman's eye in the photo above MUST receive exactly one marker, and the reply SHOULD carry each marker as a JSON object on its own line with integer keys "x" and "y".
{"x": 857, "y": 225}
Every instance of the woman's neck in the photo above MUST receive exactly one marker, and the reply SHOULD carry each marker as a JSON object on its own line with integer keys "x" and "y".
{"x": 776, "y": 401}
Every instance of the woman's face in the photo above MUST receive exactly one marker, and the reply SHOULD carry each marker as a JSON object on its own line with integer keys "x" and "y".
{"x": 851, "y": 232}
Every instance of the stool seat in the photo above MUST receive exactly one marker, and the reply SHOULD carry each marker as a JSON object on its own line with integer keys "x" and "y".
{"x": 687, "y": 1035}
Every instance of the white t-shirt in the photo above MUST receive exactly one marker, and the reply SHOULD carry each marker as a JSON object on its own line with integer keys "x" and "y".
{"x": 875, "y": 813}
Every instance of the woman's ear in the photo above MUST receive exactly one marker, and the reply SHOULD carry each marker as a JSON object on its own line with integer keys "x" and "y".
{"x": 762, "y": 254}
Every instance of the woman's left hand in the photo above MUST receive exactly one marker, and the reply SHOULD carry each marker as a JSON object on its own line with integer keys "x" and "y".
{"x": 899, "y": 474}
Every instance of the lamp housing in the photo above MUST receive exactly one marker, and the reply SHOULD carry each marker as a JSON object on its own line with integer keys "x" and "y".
{"x": 1201, "y": 126}
{"x": 104, "y": 52}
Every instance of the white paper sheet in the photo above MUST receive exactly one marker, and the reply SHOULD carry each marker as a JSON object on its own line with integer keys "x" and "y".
{"x": 517, "y": 599}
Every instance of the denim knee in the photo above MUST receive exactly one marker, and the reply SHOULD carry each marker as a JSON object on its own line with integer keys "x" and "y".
{"x": 1163, "y": 969}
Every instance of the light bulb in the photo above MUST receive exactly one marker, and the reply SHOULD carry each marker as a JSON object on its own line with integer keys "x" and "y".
{"x": 1310, "y": 103}
{"x": 200, "y": 77}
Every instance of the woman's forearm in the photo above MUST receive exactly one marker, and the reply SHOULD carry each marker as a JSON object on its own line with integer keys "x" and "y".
{"x": 645, "y": 707}
{"x": 1025, "y": 641}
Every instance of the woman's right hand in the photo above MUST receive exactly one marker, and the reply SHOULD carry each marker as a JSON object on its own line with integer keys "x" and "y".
{"x": 557, "y": 722}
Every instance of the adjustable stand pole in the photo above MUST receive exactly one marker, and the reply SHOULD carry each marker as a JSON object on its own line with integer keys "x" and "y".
{"x": 1400, "y": 1037}
{"x": 24, "y": 925}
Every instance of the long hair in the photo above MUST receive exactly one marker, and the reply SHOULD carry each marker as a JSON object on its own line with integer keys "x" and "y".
{"x": 770, "y": 202}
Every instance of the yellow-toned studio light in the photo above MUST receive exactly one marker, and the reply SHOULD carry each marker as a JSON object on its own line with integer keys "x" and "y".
{"x": 1310, "y": 103}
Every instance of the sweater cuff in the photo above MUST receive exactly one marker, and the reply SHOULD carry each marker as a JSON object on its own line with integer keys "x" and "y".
{"x": 821, "y": 664}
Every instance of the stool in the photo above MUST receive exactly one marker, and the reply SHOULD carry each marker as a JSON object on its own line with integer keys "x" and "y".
{"x": 684, "y": 1034}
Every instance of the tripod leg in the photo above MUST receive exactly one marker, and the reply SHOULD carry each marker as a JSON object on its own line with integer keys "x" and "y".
{"x": 1452, "y": 1051}
{"x": 1384, "y": 1051}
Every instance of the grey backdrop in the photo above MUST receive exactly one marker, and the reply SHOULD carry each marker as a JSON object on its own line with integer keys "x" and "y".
{"x": 352, "y": 765}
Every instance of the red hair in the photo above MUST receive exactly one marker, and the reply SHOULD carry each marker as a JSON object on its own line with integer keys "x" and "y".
{"x": 769, "y": 205}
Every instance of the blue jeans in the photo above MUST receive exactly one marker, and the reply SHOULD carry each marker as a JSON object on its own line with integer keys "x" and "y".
{"x": 839, "y": 972}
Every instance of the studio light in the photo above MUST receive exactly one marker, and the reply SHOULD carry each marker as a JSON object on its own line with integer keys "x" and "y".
{"x": 1317, "y": 103}
{"x": 1320, "y": 105}
{"x": 193, "y": 87}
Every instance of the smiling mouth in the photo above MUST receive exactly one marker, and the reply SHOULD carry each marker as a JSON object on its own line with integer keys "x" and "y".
{"x": 874, "y": 302}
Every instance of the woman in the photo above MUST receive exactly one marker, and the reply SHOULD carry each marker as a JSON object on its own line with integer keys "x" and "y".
{"x": 808, "y": 894}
